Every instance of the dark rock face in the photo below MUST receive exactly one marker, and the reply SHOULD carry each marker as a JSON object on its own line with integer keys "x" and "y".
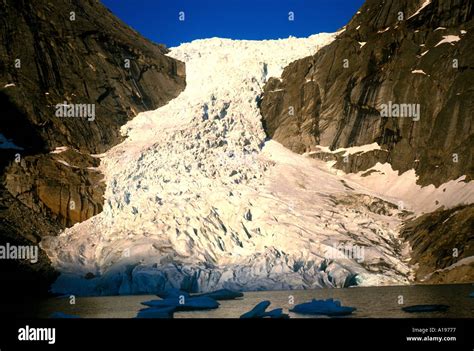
{"x": 64, "y": 186}
{"x": 79, "y": 61}
{"x": 357, "y": 162}
{"x": 73, "y": 52}
{"x": 335, "y": 97}
{"x": 439, "y": 240}
{"x": 23, "y": 282}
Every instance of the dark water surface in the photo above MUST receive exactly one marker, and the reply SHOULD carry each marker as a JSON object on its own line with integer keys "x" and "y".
{"x": 373, "y": 302}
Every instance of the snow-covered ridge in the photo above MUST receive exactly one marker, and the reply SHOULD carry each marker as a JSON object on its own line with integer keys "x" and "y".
{"x": 197, "y": 199}
{"x": 392, "y": 186}
{"x": 423, "y": 5}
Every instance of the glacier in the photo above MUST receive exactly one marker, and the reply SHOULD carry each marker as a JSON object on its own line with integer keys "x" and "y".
{"x": 198, "y": 199}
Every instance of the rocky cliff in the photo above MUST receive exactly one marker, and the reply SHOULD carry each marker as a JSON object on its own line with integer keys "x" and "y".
{"x": 78, "y": 52}
{"x": 72, "y": 53}
{"x": 442, "y": 244}
{"x": 392, "y": 52}
{"x": 69, "y": 53}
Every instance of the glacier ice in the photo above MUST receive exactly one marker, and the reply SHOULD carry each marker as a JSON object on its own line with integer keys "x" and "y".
{"x": 327, "y": 307}
{"x": 258, "y": 311}
{"x": 277, "y": 313}
{"x": 198, "y": 199}
{"x": 156, "y": 313}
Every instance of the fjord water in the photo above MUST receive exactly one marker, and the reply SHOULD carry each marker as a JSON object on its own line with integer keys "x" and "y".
{"x": 371, "y": 302}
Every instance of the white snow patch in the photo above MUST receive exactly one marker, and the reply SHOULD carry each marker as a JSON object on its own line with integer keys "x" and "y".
{"x": 463, "y": 31}
{"x": 350, "y": 150}
{"x": 59, "y": 149}
{"x": 383, "y": 30}
{"x": 9, "y": 85}
{"x": 426, "y": 3}
{"x": 362, "y": 44}
{"x": 439, "y": 28}
{"x": 424, "y": 53}
{"x": 448, "y": 39}
{"x": 418, "y": 71}
{"x": 98, "y": 155}
{"x": 390, "y": 184}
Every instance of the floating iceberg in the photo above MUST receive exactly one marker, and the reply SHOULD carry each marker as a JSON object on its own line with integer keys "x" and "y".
{"x": 184, "y": 304}
{"x": 222, "y": 294}
{"x": 425, "y": 308}
{"x": 152, "y": 312}
{"x": 277, "y": 313}
{"x": 328, "y": 307}
{"x": 259, "y": 311}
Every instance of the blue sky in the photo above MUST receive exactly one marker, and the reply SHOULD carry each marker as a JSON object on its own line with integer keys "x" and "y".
{"x": 237, "y": 19}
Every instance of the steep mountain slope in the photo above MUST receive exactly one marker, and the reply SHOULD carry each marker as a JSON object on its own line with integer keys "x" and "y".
{"x": 79, "y": 53}
{"x": 197, "y": 199}
{"x": 442, "y": 243}
{"x": 73, "y": 52}
{"x": 398, "y": 51}
{"x": 394, "y": 52}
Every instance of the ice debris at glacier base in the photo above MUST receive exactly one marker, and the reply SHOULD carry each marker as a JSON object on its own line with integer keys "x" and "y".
{"x": 156, "y": 313}
{"x": 327, "y": 307}
{"x": 260, "y": 311}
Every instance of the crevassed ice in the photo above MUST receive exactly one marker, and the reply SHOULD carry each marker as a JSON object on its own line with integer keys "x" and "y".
{"x": 197, "y": 199}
